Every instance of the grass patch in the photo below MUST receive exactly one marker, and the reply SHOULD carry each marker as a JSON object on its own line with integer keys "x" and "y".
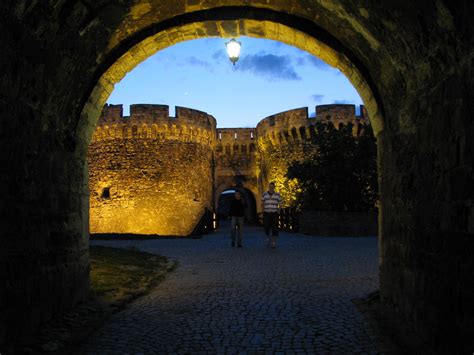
{"x": 120, "y": 275}
{"x": 117, "y": 277}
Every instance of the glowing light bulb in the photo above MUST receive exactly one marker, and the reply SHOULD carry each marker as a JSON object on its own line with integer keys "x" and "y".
{"x": 233, "y": 50}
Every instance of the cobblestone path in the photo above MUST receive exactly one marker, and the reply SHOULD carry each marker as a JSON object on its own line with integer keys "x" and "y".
{"x": 294, "y": 299}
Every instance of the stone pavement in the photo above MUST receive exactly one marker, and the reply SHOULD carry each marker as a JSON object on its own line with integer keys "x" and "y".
{"x": 295, "y": 299}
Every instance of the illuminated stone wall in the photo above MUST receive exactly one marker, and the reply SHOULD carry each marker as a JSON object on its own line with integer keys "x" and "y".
{"x": 286, "y": 137}
{"x": 150, "y": 173}
{"x": 236, "y": 160}
{"x": 155, "y": 174}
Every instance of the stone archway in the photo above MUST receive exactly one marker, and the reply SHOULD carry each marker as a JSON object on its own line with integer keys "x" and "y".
{"x": 414, "y": 62}
{"x": 226, "y": 22}
{"x": 247, "y": 195}
{"x": 229, "y": 22}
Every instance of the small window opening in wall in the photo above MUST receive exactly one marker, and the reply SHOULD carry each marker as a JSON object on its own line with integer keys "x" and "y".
{"x": 251, "y": 135}
{"x": 220, "y": 135}
{"x": 105, "y": 193}
{"x": 235, "y": 135}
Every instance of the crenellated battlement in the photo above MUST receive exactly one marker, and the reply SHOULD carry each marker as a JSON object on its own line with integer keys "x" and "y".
{"x": 233, "y": 141}
{"x": 284, "y": 127}
{"x": 285, "y": 119}
{"x": 149, "y": 121}
{"x": 295, "y": 125}
{"x": 147, "y": 113}
{"x": 154, "y": 122}
{"x": 195, "y": 117}
{"x": 151, "y": 113}
{"x": 341, "y": 114}
{"x": 336, "y": 111}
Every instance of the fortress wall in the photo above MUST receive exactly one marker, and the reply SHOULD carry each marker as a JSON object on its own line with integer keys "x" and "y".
{"x": 342, "y": 115}
{"x": 150, "y": 173}
{"x": 154, "y": 166}
{"x": 236, "y": 159}
{"x": 282, "y": 138}
{"x": 336, "y": 112}
{"x": 284, "y": 127}
{"x": 148, "y": 113}
{"x": 286, "y": 137}
{"x": 236, "y": 141}
{"x": 196, "y": 118}
{"x": 186, "y": 118}
{"x": 237, "y": 135}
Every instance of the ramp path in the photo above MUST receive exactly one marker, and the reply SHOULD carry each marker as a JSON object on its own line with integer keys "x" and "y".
{"x": 294, "y": 299}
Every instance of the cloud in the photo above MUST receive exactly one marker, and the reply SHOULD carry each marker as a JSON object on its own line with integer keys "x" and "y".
{"x": 317, "y": 97}
{"x": 343, "y": 102}
{"x": 318, "y": 63}
{"x": 271, "y": 66}
{"x": 219, "y": 55}
{"x": 309, "y": 59}
{"x": 193, "y": 61}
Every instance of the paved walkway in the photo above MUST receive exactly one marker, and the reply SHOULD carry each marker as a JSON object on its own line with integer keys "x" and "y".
{"x": 294, "y": 299}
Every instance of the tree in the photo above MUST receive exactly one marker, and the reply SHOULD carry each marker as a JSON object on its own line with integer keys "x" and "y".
{"x": 341, "y": 175}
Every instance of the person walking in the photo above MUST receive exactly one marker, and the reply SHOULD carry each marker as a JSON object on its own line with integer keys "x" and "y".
{"x": 236, "y": 213}
{"x": 271, "y": 204}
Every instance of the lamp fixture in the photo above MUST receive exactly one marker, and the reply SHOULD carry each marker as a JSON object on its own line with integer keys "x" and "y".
{"x": 233, "y": 50}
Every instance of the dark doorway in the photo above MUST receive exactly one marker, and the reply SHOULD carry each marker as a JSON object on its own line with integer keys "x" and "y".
{"x": 226, "y": 197}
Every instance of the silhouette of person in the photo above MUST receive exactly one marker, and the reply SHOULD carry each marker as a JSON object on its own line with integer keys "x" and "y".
{"x": 236, "y": 214}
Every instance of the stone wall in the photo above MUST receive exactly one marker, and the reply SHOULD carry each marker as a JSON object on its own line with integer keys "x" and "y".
{"x": 142, "y": 161}
{"x": 281, "y": 139}
{"x": 427, "y": 201}
{"x": 147, "y": 167}
{"x": 331, "y": 223}
{"x": 287, "y": 136}
{"x": 150, "y": 173}
{"x": 342, "y": 114}
{"x": 236, "y": 160}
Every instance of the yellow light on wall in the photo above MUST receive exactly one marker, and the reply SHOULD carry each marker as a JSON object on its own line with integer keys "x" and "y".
{"x": 233, "y": 50}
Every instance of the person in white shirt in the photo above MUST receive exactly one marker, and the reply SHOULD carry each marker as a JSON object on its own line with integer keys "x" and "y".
{"x": 271, "y": 204}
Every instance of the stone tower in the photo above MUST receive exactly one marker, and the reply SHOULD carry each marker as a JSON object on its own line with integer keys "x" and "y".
{"x": 150, "y": 173}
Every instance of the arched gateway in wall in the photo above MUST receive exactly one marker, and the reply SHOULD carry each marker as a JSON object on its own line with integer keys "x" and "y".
{"x": 150, "y": 173}
{"x": 411, "y": 62}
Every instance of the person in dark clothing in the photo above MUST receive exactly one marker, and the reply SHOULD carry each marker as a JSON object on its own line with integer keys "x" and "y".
{"x": 236, "y": 214}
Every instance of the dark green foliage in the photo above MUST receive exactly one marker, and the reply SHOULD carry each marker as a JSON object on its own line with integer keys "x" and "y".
{"x": 342, "y": 175}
